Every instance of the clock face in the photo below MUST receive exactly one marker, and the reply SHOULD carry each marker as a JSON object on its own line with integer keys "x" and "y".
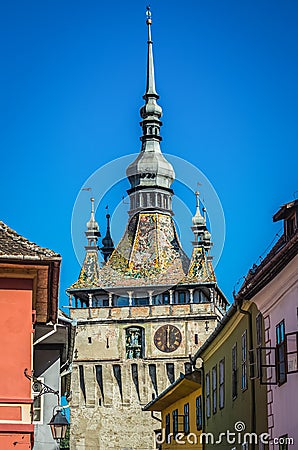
{"x": 167, "y": 338}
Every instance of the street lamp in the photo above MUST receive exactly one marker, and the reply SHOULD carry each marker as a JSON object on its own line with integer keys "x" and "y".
{"x": 58, "y": 424}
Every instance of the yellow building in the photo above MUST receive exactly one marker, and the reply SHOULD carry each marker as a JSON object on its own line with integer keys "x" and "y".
{"x": 180, "y": 406}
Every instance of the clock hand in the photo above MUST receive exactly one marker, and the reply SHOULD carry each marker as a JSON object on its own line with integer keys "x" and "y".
{"x": 168, "y": 337}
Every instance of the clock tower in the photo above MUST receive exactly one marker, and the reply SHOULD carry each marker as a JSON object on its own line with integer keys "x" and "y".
{"x": 143, "y": 310}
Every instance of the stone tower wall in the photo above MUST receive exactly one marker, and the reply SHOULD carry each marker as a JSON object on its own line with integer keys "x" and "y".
{"x": 109, "y": 390}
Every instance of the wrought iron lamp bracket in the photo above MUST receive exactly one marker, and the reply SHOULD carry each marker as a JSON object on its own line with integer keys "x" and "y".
{"x": 45, "y": 389}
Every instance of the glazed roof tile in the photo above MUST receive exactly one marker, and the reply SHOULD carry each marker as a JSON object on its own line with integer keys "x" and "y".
{"x": 148, "y": 254}
{"x": 15, "y": 246}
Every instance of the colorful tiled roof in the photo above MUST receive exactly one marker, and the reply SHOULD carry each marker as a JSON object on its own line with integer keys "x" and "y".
{"x": 149, "y": 253}
{"x": 200, "y": 268}
{"x": 90, "y": 272}
{"x": 13, "y": 245}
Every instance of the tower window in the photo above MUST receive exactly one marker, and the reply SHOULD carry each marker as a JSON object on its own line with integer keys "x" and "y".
{"x": 181, "y": 297}
{"x": 166, "y": 298}
{"x": 141, "y": 301}
{"x": 134, "y": 342}
{"x": 170, "y": 372}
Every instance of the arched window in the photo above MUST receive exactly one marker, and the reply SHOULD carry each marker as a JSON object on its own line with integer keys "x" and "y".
{"x": 134, "y": 341}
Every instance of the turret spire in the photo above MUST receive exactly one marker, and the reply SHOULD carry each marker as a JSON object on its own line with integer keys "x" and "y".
{"x": 108, "y": 244}
{"x": 198, "y": 219}
{"x": 202, "y": 236}
{"x": 92, "y": 232}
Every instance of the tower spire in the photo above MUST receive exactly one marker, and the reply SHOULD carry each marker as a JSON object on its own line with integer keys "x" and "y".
{"x": 150, "y": 87}
{"x": 150, "y": 175}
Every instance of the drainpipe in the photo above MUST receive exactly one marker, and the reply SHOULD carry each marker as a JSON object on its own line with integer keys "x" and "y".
{"x": 45, "y": 336}
{"x": 154, "y": 417}
{"x": 239, "y": 303}
{"x": 65, "y": 319}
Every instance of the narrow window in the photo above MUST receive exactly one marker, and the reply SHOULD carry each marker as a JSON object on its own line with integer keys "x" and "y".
{"x": 170, "y": 372}
{"x": 199, "y": 418}
{"x": 244, "y": 361}
{"x": 281, "y": 351}
{"x": 214, "y": 389}
{"x": 222, "y": 383}
{"x": 181, "y": 297}
{"x": 234, "y": 371}
{"x": 168, "y": 427}
{"x": 37, "y": 402}
{"x": 89, "y": 340}
{"x": 166, "y": 298}
{"x": 153, "y": 376}
{"x": 187, "y": 368}
{"x": 186, "y": 418}
{"x": 118, "y": 376}
{"x": 208, "y": 406}
{"x": 175, "y": 422}
{"x": 196, "y": 338}
{"x": 99, "y": 379}
{"x": 259, "y": 329}
{"x": 283, "y": 442}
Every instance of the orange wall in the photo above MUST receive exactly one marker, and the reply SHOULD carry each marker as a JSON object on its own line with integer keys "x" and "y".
{"x": 15, "y": 343}
{"x": 18, "y": 440}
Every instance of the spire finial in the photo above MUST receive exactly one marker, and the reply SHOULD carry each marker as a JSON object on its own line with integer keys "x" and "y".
{"x": 198, "y": 219}
{"x": 150, "y": 88}
{"x": 197, "y": 194}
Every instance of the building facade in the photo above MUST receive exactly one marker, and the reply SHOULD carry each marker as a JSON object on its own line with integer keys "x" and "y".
{"x": 235, "y": 415}
{"x": 273, "y": 287}
{"x": 181, "y": 408}
{"x": 33, "y": 343}
{"x": 28, "y": 295}
{"x": 145, "y": 308}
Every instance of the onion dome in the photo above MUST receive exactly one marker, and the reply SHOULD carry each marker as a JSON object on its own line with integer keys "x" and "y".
{"x": 198, "y": 219}
{"x": 150, "y": 175}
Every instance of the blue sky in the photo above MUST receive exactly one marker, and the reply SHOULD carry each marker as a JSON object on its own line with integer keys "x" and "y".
{"x": 71, "y": 84}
